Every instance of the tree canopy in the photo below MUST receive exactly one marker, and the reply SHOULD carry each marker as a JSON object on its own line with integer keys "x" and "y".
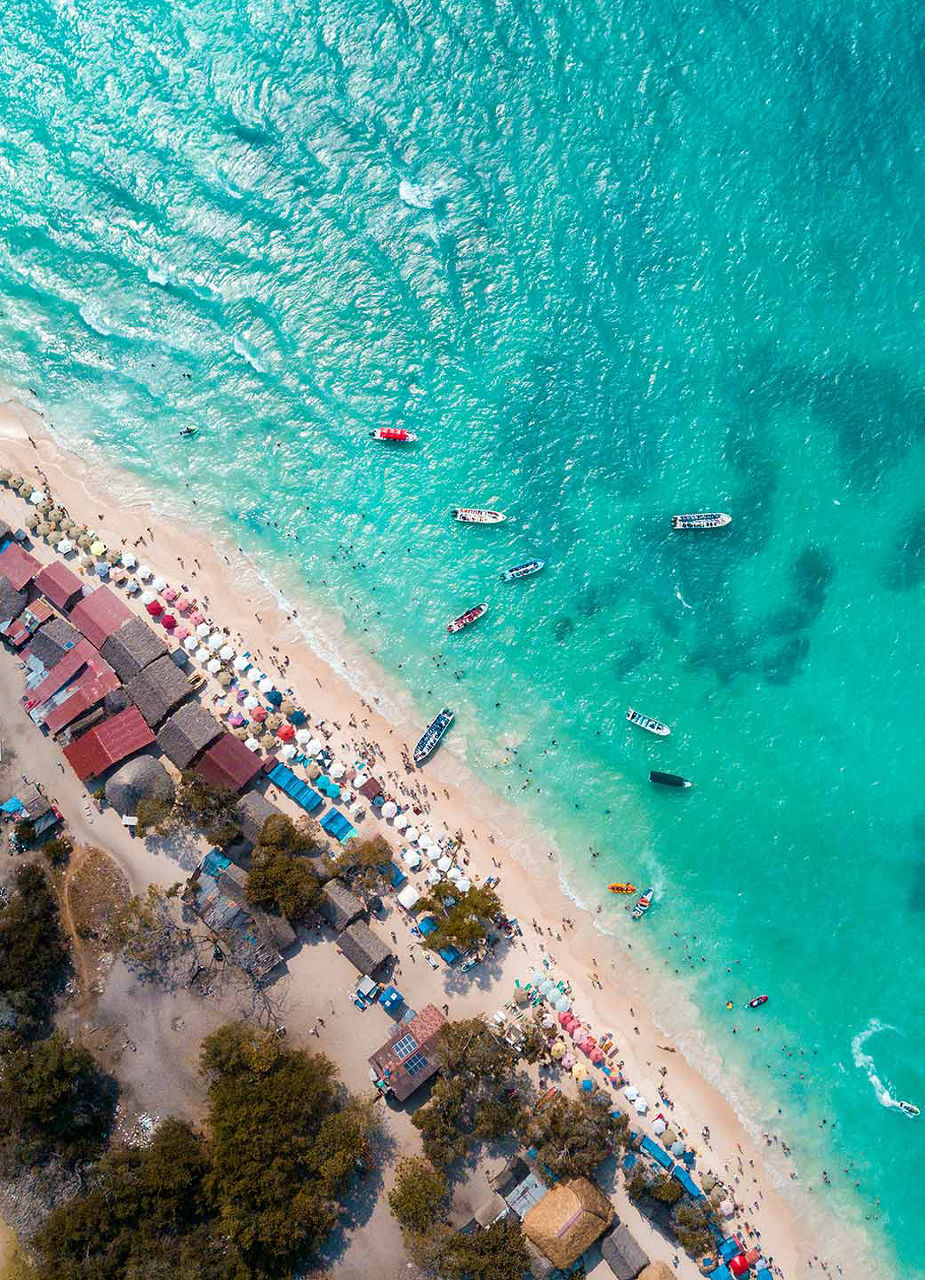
{"x": 33, "y": 951}
{"x": 54, "y": 1101}
{"x": 573, "y": 1136}
{"x": 361, "y": 863}
{"x": 462, "y": 919}
{"x": 499, "y": 1253}
{"x": 281, "y": 878}
{"x": 149, "y": 933}
{"x": 419, "y": 1195}
{"x": 200, "y": 804}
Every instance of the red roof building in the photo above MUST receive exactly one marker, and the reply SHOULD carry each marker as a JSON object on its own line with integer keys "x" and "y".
{"x": 18, "y": 565}
{"x": 83, "y": 693}
{"x": 69, "y": 666}
{"x": 25, "y": 626}
{"x": 407, "y": 1059}
{"x": 99, "y": 615}
{"x": 109, "y": 743}
{"x": 62, "y": 587}
{"x": 228, "y": 763}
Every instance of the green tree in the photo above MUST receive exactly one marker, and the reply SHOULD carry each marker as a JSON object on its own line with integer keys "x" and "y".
{"x": 637, "y": 1184}
{"x": 441, "y": 1122}
{"x": 361, "y": 863}
{"x": 573, "y": 1136}
{"x": 691, "y": 1225}
{"x": 33, "y": 951}
{"x": 201, "y": 806}
{"x": 285, "y": 1145}
{"x": 58, "y": 850}
{"x": 419, "y": 1195}
{"x": 54, "y": 1101}
{"x": 666, "y": 1190}
{"x": 461, "y": 919}
{"x": 154, "y": 813}
{"x": 281, "y": 834}
{"x": 500, "y": 1253}
{"x": 24, "y": 832}
{"x": 281, "y": 878}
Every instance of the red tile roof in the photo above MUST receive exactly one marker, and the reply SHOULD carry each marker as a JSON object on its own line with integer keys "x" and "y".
{"x": 25, "y": 626}
{"x": 228, "y": 763}
{"x": 85, "y": 692}
{"x": 59, "y": 584}
{"x": 63, "y": 671}
{"x": 99, "y": 614}
{"x": 390, "y": 1066}
{"x": 18, "y": 565}
{"x": 115, "y": 739}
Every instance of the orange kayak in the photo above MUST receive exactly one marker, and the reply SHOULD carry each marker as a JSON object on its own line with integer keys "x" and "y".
{"x": 622, "y": 888}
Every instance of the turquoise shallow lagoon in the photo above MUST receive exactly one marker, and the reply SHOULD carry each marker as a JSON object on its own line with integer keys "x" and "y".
{"x": 610, "y": 262}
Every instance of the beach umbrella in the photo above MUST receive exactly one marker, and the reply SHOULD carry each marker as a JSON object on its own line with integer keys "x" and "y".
{"x": 314, "y": 747}
{"x": 171, "y": 594}
{"x": 273, "y": 722}
{"x": 275, "y": 697}
{"x": 87, "y": 562}
{"x": 401, "y": 821}
{"x": 707, "y": 1181}
{"x": 288, "y": 751}
{"x": 133, "y": 586}
{"x": 182, "y": 604}
{"x": 213, "y": 666}
{"x": 389, "y": 809}
{"x": 296, "y": 717}
{"x": 57, "y": 514}
{"x": 677, "y": 1148}
{"x": 159, "y": 583}
{"x": 203, "y": 630}
{"x": 241, "y": 662}
{"x": 113, "y": 557}
{"x": 25, "y": 487}
{"x": 216, "y": 640}
{"x": 181, "y": 633}
{"x": 52, "y": 522}
{"x": 36, "y": 496}
{"x": 68, "y": 525}
{"x": 236, "y": 719}
{"x": 727, "y": 1209}
{"x": 259, "y": 714}
{"x": 567, "y": 1062}
{"x": 268, "y": 742}
{"x": 658, "y": 1127}
{"x": 147, "y": 598}
{"x": 411, "y": 834}
{"x": 241, "y": 733}
{"x": 578, "y": 1032}
{"x": 252, "y": 744}
{"x": 44, "y": 529}
{"x": 631, "y": 1092}
{"x": 118, "y": 575}
{"x": 671, "y": 1135}
{"x": 338, "y": 770}
{"x": 196, "y": 618}
{"x": 303, "y": 737}
{"x": 579, "y": 1070}
{"x": 559, "y": 1050}
{"x": 98, "y": 548}
{"x": 15, "y": 481}
{"x": 411, "y": 858}
{"x": 203, "y": 654}
{"x": 434, "y": 852}
{"x": 285, "y": 732}
{"x": 145, "y": 572}
{"x": 266, "y": 684}
{"x": 33, "y": 522}
{"x": 463, "y": 884}
{"x": 155, "y": 608}
{"x": 434, "y": 876}
{"x": 444, "y": 864}
{"x": 425, "y": 840}
{"x": 102, "y": 569}
{"x": 562, "y": 1005}
{"x": 226, "y": 653}
{"x": 129, "y": 560}
{"x": 190, "y": 644}
{"x": 85, "y": 542}
{"x": 65, "y": 547}
{"x": 596, "y": 1057}
{"x": 564, "y": 1019}
{"x": 286, "y": 708}
{"x": 250, "y": 702}
{"x": 641, "y": 1106}
{"x": 169, "y": 621}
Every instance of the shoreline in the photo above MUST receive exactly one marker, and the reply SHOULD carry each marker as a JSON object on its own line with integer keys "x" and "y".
{"x": 339, "y": 689}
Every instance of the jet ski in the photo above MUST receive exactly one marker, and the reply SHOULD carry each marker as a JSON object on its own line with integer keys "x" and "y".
{"x": 758, "y": 1000}
{"x": 189, "y": 431}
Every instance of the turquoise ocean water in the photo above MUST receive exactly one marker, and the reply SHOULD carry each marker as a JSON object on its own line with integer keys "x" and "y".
{"x": 611, "y": 261}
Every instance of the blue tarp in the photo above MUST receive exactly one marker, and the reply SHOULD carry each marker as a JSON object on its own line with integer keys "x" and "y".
{"x": 449, "y": 955}
{"x": 656, "y": 1152}
{"x": 336, "y": 825}
{"x": 396, "y": 876}
{"x": 214, "y": 863}
{"x": 763, "y": 1274}
{"x": 427, "y": 926}
{"x": 331, "y": 789}
{"x": 730, "y": 1248}
{"x": 295, "y": 788}
{"x": 13, "y": 805}
{"x": 721, "y": 1273}
{"x": 686, "y": 1181}
{"x": 391, "y": 999}
{"x": 630, "y": 1160}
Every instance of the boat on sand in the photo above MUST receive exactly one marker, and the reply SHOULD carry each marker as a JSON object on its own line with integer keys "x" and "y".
{"x": 432, "y": 735}
{"x": 466, "y": 619}
{"x": 646, "y": 722}
{"x": 478, "y": 515}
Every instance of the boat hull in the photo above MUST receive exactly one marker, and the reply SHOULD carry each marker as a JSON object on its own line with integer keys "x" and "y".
{"x": 478, "y": 515}
{"x": 433, "y": 736}
{"x": 622, "y": 888}
{"x": 701, "y": 520}
{"x": 466, "y": 619}
{"x": 646, "y": 722}
{"x": 643, "y": 905}
{"x": 668, "y": 779}
{"x": 393, "y": 435}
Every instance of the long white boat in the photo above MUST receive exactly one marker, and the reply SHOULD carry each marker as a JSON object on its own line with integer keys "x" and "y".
{"x": 701, "y": 520}
{"x": 478, "y": 515}
{"x": 521, "y": 571}
{"x": 646, "y": 722}
{"x": 432, "y": 735}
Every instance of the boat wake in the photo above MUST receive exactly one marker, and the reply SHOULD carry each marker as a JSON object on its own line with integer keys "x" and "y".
{"x": 865, "y": 1062}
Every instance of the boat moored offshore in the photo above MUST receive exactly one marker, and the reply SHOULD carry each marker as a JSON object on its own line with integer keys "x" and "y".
{"x": 521, "y": 571}
{"x": 478, "y": 515}
{"x": 646, "y": 722}
{"x": 466, "y": 619}
{"x": 669, "y": 779}
{"x": 643, "y": 905}
{"x": 701, "y": 520}
{"x": 432, "y": 735}
{"x": 393, "y": 435}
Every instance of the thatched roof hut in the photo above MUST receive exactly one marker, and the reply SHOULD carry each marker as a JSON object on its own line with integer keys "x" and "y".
{"x": 141, "y": 779}
{"x": 622, "y": 1254}
{"x": 568, "y": 1220}
{"x": 339, "y": 906}
{"x": 253, "y": 809}
{"x": 363, "y": 948}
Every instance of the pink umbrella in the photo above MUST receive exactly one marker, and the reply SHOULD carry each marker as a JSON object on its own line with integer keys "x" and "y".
{"x": 169, "y": 621}
{"x": 259, "y": 714}
{"x": 182, "y": 632}
{"x": 182, "y": 604}
{"x": 596, "y": 1057}
{"x": 586, "y": 1046}
{"x": 568, "y": 1062}
{"x": 565, "y": 1019}
{"x": 196, "y": 618}
{"x": 171, "y": 594}
{"x": 577, "y": 1032}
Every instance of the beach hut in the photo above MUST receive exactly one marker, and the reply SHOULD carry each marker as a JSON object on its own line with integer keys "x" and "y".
{"x": 141, "y": 779}
{"x": 622, "y": 1254}
{"x": 568, "y": 1220}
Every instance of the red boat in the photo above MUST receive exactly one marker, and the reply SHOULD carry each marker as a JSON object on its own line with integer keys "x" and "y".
{"x": 464, "y": 619}
{"x": 757, "y": 1002}
{"x": 393, "y": 435}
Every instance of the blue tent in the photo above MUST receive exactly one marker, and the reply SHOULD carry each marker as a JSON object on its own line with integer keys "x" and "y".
{"x": 336, "y": 825}
{"x": 686, "y": 1181}
{"x": 730, "y": 1248}
{"x": 449, "y": 955}
{"x": 329, "y": 788}
{"x": 13, "y": 805}
{"x": 722, "y": 1273}
{"x": 763, "y": 1274}
{"x": 295, "y": 788}
{"x": 427, "y": 926}
{"x": 214, "y": 863}
{"x": 656, "y": 1152}
{"x": 275, "y": 698}
{"x": 391, "y": 999}
{"x": 630, "y": 1160}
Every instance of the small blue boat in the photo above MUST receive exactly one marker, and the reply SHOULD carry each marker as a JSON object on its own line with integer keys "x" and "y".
{"x": 432, "y": 735}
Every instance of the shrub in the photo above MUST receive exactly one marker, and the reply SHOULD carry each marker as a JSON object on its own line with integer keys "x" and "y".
{"x": 418, "y": 1197}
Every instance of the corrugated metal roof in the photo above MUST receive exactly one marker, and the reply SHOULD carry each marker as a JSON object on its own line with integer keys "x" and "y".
{"x": 106, "y": 744}
{"x": 99, "y": 614}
